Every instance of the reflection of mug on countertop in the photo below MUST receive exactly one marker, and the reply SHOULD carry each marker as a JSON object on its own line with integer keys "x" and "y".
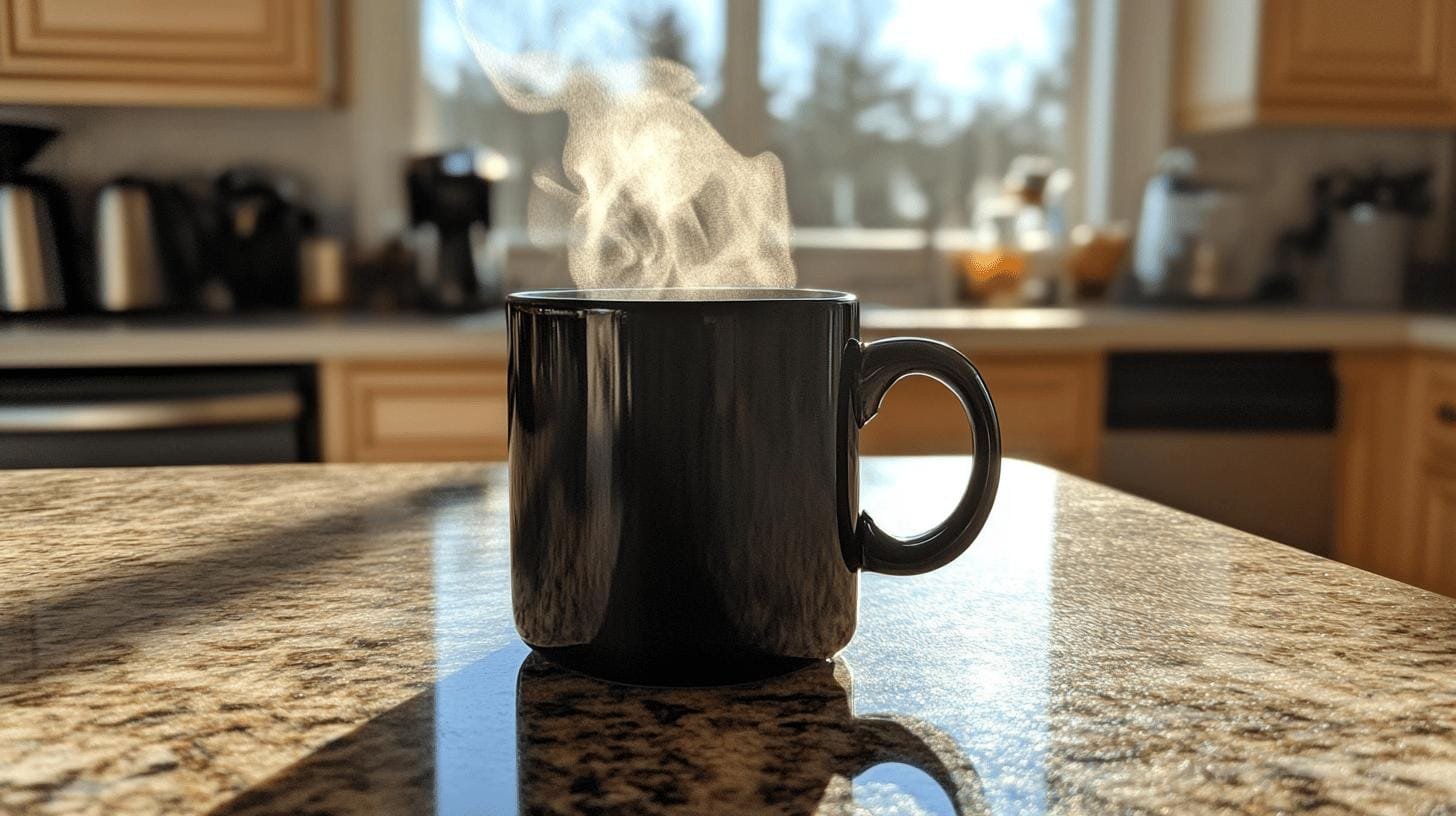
{"x": 684, "y": 475}
{"x": 787, "y": 745}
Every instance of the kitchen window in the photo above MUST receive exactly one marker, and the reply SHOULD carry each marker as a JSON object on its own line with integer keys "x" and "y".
{"x": 896, "y": 120}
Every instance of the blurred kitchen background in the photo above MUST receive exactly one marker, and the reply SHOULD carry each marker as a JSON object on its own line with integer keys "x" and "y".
{"x": 1203, "y": 250}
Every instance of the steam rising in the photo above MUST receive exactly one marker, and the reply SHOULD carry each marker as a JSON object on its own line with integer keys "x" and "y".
{"x": 654, "y": 197}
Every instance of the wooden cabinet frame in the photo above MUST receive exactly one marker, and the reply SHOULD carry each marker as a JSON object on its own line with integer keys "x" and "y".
{"x": 254, "y": 53}
{"x": 413, "y": 411}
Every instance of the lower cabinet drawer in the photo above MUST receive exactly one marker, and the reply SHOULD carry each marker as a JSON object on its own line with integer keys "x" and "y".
{"x": 413, "y": 412}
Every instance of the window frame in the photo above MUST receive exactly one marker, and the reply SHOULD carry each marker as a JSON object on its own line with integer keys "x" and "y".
{"x": 1109, "y": 174}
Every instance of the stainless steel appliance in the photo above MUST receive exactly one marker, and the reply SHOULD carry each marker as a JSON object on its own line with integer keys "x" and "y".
{"x": 1246, "y": 439}
{"x": 143, "y": 416}
{"x": 1356, "y": 248}
{"x": 32, "y": 226}
{"x": 129, "y": 271}
{"x": 136, "y": 269}
{"x": 1191, "y": 244}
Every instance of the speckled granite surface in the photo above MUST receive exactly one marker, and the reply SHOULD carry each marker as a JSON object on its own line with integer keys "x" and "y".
{"x": 311, "y": 639}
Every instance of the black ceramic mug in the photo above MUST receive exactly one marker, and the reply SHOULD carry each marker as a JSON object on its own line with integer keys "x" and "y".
{"x": 684, "y": 476}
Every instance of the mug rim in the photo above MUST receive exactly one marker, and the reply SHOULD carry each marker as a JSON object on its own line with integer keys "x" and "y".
{"x": 643, "y": 296}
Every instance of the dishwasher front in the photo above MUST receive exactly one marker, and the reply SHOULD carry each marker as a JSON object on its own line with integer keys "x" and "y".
{"x": 1246, "y": 439}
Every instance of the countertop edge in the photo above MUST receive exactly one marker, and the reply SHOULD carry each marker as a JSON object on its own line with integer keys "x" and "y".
{"x": 305, "y": 340}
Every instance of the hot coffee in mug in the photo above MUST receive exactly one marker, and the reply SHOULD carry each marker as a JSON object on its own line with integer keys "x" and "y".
{"x": 684, "y": 477}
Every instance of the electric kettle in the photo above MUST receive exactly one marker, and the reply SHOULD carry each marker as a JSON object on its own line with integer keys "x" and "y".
{"x": 33, "y": 226}
{"x": 130, "y": 275}
{"x": 1192, "y": 244}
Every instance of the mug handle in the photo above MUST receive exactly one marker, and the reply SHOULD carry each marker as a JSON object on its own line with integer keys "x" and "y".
{"x": 882, "y": 364}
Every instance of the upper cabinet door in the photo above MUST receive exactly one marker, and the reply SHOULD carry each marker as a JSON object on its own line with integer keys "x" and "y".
{"x": 262, "y": 53}
{"x": 1359, "y": 62}
{"x": 1389, "y": 63}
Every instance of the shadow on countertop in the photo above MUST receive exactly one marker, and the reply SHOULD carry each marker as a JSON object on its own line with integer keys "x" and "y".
{"x": 91, "y": 623}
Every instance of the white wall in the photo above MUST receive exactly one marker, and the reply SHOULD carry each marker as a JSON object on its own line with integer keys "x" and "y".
{"x": 1121, "y": 120}
{"x": 100, "y": 143}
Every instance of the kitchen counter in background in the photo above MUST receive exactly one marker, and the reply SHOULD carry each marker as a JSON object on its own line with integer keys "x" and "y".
{"x": 1126, "y": 329}
{"x": 339, "y": 639}
{"x": 248, "y": 339}
{"x": 304, "y": 338}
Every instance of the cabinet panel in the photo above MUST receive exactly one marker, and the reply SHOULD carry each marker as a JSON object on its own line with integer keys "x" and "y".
{"x": 1435, "y": 564}
{"x": 1438, "y": 408}
{"x": 1397, "y": 482}
{"x": 1389, "y": 63}
{"x": 160, "y": 29}
{"x": 412, "y": 412}
{"x": 224, "y": 52}
{"x": 1376, "y": 474}
{"x": 1356, "y": 61}
{"x": 1050, "y": 409}
{"x": 1353, "y": 40}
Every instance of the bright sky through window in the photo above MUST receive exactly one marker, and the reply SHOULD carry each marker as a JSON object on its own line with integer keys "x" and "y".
{"x": 885, "y": 113}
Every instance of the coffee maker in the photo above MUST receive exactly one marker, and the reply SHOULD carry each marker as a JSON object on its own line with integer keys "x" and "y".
{"x": 449, "y": 198}
{"x": 36, "y": 238}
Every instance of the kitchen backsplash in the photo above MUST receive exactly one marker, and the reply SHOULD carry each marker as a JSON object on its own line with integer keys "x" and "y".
{"x": 97, "y": 144}
{"x": 889, "y": 277}
{"x": 1273, "y": 167}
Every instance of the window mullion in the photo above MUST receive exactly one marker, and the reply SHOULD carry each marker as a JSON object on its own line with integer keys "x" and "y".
{"x": 744, "y": 120}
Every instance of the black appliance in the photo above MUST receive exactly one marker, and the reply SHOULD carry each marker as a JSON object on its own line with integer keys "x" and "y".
{"x": 449, "y": 200}
{"x": 258, "y": 234}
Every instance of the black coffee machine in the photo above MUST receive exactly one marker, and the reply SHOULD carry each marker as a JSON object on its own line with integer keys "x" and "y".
{"x": 449, "y": 197}
{"x": 257, "y": 235}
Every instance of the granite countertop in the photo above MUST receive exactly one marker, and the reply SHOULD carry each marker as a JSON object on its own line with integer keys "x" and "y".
{"x": 338, "y": 639}
{"x": 307, "y": 338}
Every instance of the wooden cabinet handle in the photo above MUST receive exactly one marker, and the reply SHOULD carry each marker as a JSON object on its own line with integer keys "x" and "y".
{"x": 1446, "y": 413}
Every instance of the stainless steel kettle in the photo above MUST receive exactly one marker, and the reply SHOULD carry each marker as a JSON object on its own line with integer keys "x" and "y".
{"x": 130, "y": 273}
{"x": 1192, "y": 245}
{"x": 32, "y": 224}
{"x": 30, "y": 265}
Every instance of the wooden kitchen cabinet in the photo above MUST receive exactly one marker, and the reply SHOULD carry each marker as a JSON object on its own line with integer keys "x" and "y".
{"x": 413, "y": 411}
{"x": 1436, "y": 551}
{"x": 1050, "y": 407}
{"x": 1388, "y": 63}
{"x": 1396, "y": 487}
{"x": 254, "y": 53}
